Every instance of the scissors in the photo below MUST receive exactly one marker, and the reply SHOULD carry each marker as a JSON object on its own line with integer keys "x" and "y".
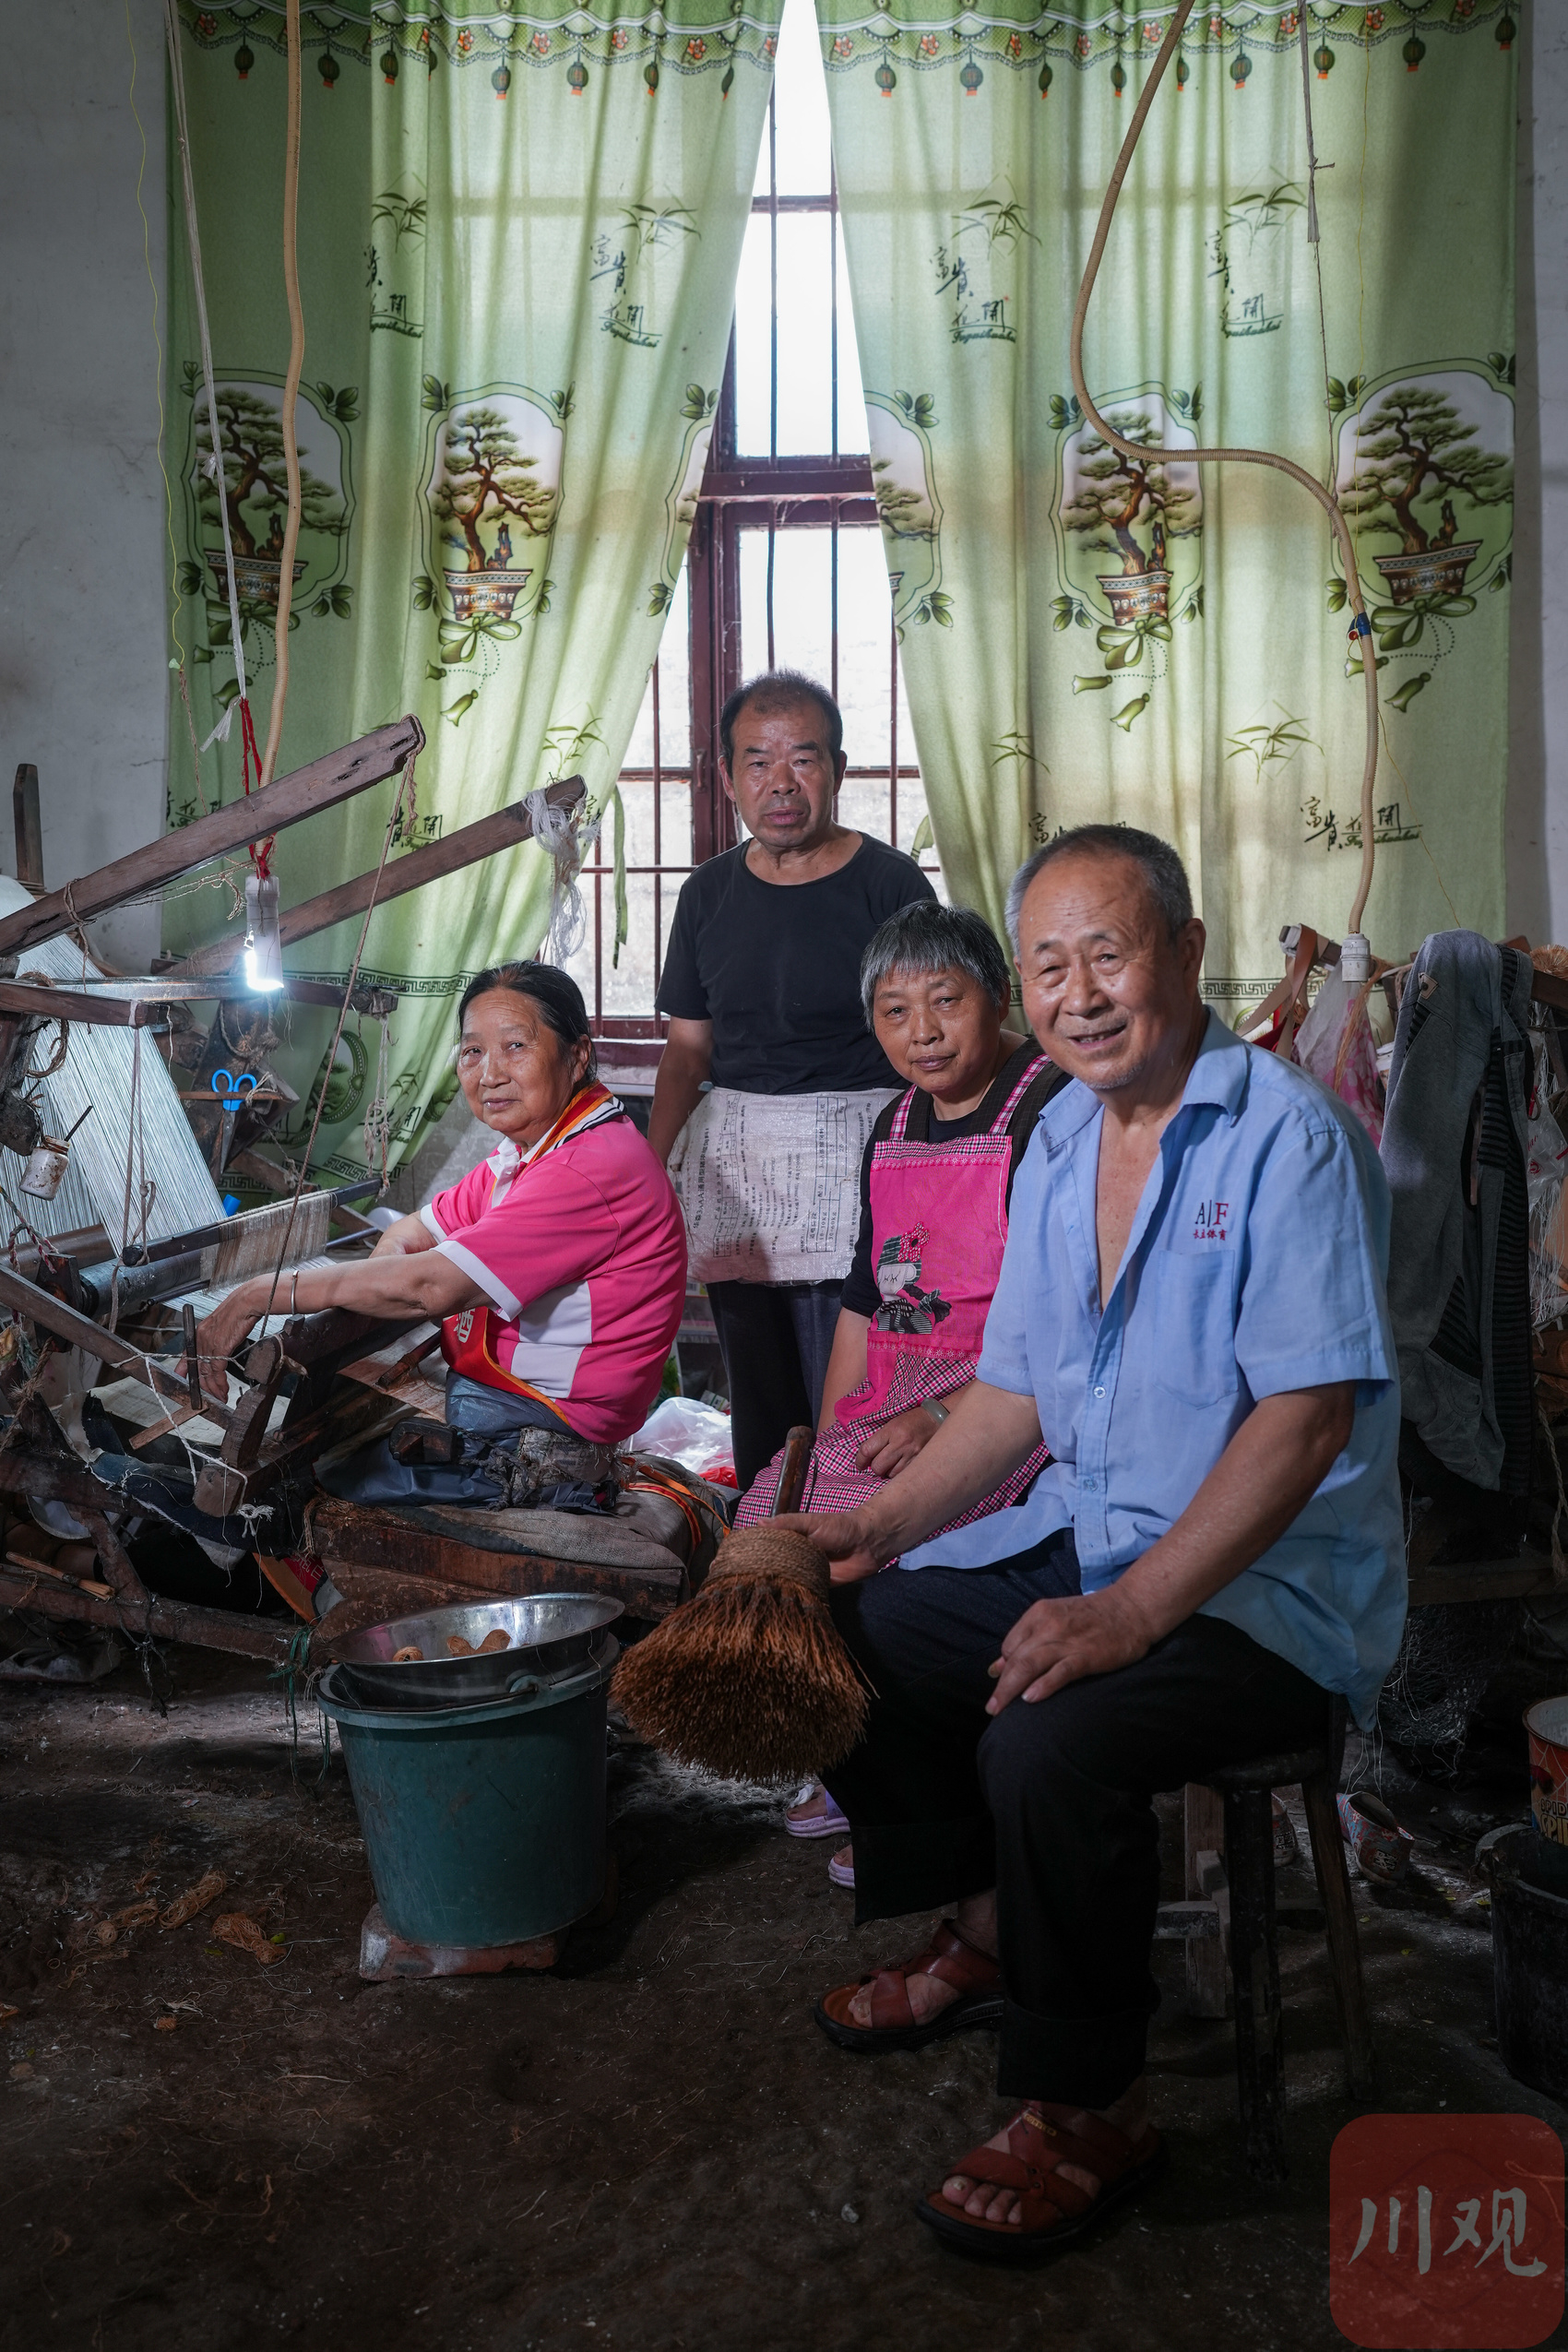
{"x": 233, "y": 1091}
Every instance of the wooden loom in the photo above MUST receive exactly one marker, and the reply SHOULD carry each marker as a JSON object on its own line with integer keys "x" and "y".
{"x": 311, "y": 1382}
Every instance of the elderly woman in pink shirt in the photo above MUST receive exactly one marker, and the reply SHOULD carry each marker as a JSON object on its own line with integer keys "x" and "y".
{"x": 557, "y": 1267}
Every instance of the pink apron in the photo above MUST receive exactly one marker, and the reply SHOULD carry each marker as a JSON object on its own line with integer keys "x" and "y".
{"x": 939, "y": 1220}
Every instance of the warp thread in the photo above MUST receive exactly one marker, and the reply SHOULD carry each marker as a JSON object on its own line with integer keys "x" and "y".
{"x": 250, "y": 1243}
{"x": 405, "y": 788}
{"x": 377, "y": 1130}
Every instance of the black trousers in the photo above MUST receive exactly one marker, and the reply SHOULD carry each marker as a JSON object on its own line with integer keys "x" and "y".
{"x": 777, "y": 1337}
{"x": 1050, "y": 1802}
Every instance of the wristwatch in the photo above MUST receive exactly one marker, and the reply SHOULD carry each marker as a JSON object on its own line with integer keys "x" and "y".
{"x": 938, "y": 1411}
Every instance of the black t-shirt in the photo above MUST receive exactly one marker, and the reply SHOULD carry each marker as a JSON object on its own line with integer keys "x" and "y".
{"x": 860, "y": 1293}
{"x": 777, "y": 968}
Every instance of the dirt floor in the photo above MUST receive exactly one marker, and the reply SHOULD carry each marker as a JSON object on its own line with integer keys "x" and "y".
{"x": 651, "y": 2146}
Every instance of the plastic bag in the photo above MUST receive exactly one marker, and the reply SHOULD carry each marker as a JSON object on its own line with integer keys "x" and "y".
{"x": 696, "y": 1435}
{"x": 1335, "y": 1045}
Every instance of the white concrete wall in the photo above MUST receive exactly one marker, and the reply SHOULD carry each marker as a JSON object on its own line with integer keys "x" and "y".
{"x": 1537, "y": 798}
{"x": 84, "y": 678}
{"x": 83, "y": 556}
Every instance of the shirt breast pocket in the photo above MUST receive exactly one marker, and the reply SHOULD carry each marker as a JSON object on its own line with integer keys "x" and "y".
{"x": 1189, "y": 1323}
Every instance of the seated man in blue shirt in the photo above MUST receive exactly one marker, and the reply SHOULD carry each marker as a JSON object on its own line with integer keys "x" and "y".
{"x": 1190, "y": 1313}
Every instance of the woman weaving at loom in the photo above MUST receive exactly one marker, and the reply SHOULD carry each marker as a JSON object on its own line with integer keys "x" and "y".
{"x": 935, "y": 1188}
{"x": 557, "y": 1267}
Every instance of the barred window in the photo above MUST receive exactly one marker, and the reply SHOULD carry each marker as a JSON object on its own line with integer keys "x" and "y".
{"x": 785, "y": 568}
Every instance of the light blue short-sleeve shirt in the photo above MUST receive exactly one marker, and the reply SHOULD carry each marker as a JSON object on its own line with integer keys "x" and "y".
{"x": 1254, "y": 1265}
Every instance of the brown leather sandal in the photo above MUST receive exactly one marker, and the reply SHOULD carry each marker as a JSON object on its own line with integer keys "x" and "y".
{"x": 976, "y": 1975}
{"x": 1054, "y": 2213}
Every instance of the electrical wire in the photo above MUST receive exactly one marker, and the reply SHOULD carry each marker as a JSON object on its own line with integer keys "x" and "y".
{"x": 1314, "y": 238}
{"x": 157, "y": 336}
{"x": 193, "y": 241}
{"x": 291, "y": 401}
{"x": 404, "y": 790}
{"x": 1362, "y": 626}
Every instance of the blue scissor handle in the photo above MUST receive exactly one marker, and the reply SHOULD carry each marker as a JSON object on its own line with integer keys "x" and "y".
{"x": 224, "y": 1083}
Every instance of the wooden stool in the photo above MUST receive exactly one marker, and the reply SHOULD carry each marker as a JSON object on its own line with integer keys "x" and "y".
{"x": 1237, "y": 1908}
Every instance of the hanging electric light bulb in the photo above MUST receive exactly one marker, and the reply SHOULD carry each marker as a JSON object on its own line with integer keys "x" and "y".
{"x": 264, "y": 946}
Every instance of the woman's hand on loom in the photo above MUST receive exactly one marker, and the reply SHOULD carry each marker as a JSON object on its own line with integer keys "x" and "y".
{"x": 897, "y": 1442}
{"x": 1058, "y": 1642}
{"x": 222, "y": 1333}
{"x": 853, "y": 1547}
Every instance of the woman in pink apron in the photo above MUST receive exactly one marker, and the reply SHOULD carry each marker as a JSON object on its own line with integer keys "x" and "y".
{"x": 935, "y": 1183}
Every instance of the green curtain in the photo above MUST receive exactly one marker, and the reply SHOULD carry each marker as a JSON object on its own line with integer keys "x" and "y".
{"x": 518, "y": 240}
{"x": 1092, "y": 639}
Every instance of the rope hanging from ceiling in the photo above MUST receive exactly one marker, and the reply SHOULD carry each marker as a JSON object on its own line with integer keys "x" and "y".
{"x": 1360, "y": 627}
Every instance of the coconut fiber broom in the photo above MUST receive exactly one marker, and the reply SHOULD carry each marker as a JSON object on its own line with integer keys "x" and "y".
{"x": 750, "y": 1679}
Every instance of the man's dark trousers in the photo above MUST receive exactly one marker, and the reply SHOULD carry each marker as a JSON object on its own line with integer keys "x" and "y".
{"x": 777, "y": 1338}
{"x": 1050, "y": 1802}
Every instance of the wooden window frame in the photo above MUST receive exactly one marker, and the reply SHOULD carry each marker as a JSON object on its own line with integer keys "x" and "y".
{"x": 738, "y": 490}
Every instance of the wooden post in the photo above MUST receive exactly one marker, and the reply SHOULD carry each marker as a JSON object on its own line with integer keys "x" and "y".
{"x": 322, "y": 785}
{"x": 1208, "y": 1961}
{"x": 1255, "y": 1970}
{"x": 1344, "y": 1944}
{"x": 29, "y": 829}
{"x": 77, "y": 1331}
{"x": 167, "y": 1620}
{"x": 506, "y": 830}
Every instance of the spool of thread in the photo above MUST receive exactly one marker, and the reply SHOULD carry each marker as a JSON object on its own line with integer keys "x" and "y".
{"x": 45, "y": 1171}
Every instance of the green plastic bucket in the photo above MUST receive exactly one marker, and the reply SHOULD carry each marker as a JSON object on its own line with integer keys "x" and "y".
{"x": 483, "y": 1824}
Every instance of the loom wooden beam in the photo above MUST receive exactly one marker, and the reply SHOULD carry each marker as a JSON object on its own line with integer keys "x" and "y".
{"x": 79, "y": 1331}
{"x": 288, "y": 801}
{"x": 506, "y": 830}
{"x": 205, "y": 1237}
{"x": 1460, "y": 1581}
{"x": 29, "y": 1470}
{"x": 364, "y": 1537}
{"x": 137, "y": 1004}
{"x": 26, "y": 1468}
{"x": 221, "y": 1486}
{"x": 31, "y": 1001}
{"x": 165, "y": 1621}
{"x": 330, "y": 1332}
{"x": 29, "y": 827}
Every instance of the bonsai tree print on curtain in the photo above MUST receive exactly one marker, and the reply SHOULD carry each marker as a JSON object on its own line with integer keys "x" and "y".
{"x": 899, "y": 426}
{"x": 254, "y": 492}
{"x": 492, "y": 498}
{"x": 1425, "y": 462}
{"x": 486, "y": 475}
{"x": 1144, "y": 512}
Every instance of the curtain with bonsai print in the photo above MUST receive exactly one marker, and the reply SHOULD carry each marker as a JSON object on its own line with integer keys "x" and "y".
{"x": 1092, "y": 637}
{"x": 519, "y": 239}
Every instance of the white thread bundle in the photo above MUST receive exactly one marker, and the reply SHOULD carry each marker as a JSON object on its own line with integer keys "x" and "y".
{"x": 565, "y": 842}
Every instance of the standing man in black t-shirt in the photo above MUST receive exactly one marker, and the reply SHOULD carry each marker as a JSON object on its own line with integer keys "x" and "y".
{"x": 761, "y": 990}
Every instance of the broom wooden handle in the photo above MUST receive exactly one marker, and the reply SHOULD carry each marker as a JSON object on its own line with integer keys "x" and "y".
{"x": 792, "y": 1472}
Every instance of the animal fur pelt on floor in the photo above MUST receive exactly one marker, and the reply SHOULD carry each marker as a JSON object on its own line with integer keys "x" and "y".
{"x": 750, "y": 1679}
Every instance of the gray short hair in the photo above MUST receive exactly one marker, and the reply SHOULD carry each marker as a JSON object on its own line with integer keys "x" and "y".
{"x": 925, "y": 937}
{"x": 776, "y": 690}
{"x": 1163, "y": 871}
